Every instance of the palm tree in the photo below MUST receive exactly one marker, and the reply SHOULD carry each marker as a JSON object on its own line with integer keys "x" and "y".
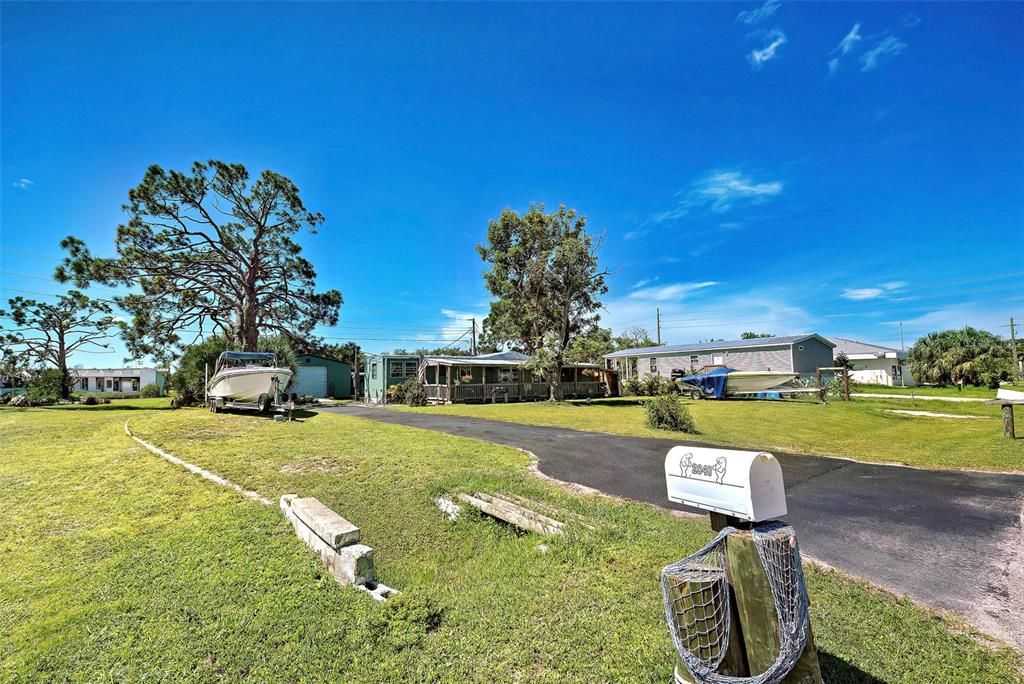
{"x": 962, "y": 356}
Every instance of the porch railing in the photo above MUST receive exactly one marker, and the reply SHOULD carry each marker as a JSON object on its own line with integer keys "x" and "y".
{"x": 510, "y": 391}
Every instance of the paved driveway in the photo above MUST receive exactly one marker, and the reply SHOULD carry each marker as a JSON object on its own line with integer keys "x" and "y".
{"x": 952, "y": 540}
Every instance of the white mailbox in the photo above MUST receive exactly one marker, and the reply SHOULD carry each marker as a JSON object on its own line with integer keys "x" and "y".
{"x": 743, "y": 484}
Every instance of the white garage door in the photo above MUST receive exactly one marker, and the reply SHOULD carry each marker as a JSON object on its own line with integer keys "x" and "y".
{"x": 311, "y": 381}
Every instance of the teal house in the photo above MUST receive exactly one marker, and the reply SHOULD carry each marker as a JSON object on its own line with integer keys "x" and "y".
{"x": 320, "y": 377}
{"x": 383, "y": 370}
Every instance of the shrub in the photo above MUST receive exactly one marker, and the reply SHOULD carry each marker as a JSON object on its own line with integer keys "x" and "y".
{"x": 395, "y": 394}
{"x": 45, "y": 388}
{"x": 632, "y": 388}
{"x": 5, "y": 398}
{"x": 415, "y": 392}
{"x": 654, "y": 385}
{"x": 150, "y": 391}
{"x": 666, "y": 412}
{"x": 90, "y": 400}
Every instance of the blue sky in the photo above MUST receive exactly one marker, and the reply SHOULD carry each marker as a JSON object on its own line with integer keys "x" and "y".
{"x": 785, "y": 167}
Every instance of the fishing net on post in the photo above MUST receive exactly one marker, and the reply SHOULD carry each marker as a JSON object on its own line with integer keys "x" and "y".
{"x": 697, "y": 605}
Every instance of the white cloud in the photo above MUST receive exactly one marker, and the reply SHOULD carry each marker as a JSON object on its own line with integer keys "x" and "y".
{"x": 882, "y": 290}
{"x": 718, "y": 192}
{"x": 773, "y": 40}
{"x": 23, "y": 183}
{"x": 895, "y": 285}
{"x": 645, "y": 281}
{"x": 848, "y": 43}
{"x": 850, "y": 40}
{"x": 673, "y": 292}
{"x": 758, "y": 15}
{"x": 861, "y": 293}
{"x": 886, "y": 49}
{"x": 911, "y": 20}
{"x": 723, "y": 189}
{"x": 715, "y": 316}
{"x": 634, "y": 234}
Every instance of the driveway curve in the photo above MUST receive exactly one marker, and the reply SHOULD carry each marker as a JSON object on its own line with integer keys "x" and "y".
{"x": 949, "y": 539}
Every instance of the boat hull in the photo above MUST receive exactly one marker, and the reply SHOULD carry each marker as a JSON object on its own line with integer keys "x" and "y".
{"x": 247, "y": 384}
{"x": 742, "y": 382}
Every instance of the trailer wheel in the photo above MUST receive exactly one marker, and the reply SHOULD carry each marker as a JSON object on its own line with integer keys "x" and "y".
{"x": 263, "y": 403}
{"x": 695, "y": 394}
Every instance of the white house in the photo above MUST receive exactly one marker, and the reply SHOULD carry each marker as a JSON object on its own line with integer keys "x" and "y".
{"x": 875, "y": 364}
{"x": 123, "y": 380}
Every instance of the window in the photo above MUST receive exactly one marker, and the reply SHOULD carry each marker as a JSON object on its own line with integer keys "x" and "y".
{"x": 117, "y": 384}
{"x": 396, "y": 369}
{"x": 633, "y": 367}
{"x": 694, "y": 359}
{"x": 504, "y": 375}
{"x": 110, "y": 383}
{"x": 654, "y": 365}
{"x": 99, "y": 384}
{"x": 373, "y": 370}
{"x": 410, "y": 369}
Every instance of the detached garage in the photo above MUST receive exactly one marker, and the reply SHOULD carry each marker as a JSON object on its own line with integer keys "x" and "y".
{"x": 321, "y": 377}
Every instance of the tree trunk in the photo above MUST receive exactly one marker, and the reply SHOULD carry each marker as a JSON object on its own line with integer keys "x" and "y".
{"x": 65, "y": 376}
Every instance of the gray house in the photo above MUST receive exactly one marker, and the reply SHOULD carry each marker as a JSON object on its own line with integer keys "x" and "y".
{"x": 802, "y": 354}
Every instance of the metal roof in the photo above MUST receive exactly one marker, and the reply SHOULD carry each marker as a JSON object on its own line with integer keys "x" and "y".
{"x": 498, "y": 359}
{"x": 858, "y": 348}
{"x": 716, "y": 346}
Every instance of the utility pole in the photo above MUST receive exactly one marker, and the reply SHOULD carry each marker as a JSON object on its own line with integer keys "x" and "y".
{"x": 1013, "y": 350}
{"x": 899, "y": 362}
{"x": 355, "y": 375}
{"x": 658, "y": 310}
{"x": 474, "y": 336}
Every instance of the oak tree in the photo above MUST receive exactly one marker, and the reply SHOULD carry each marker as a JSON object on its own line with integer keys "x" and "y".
{"x": 544, "y": 274}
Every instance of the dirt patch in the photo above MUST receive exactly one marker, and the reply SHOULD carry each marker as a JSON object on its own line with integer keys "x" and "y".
{"x": 316, "y": 465}
{"x": 931, "y": 414}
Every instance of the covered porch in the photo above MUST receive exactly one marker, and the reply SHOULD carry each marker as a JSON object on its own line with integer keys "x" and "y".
{"x": 452, "y": 380}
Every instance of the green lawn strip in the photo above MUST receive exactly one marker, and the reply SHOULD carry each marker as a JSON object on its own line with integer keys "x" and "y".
{"x": 969, "y": 391}
{"x": 118, "y": 565}
{"x": 863, "y": 429}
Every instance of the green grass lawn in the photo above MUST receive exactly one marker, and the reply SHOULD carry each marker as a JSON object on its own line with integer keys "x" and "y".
{"x": 863, "y": 429}
{"x": 116, "y": 565}
{"x": 950, "y": 391}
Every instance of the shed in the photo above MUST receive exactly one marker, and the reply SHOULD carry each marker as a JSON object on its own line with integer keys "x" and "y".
{"x": 319, "y": 376}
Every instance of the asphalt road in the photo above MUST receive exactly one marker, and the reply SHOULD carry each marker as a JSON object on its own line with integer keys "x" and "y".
{"x": 951, "y": 540}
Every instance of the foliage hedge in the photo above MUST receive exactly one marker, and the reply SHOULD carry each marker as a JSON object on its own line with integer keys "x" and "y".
{"x": 150, "y": 391}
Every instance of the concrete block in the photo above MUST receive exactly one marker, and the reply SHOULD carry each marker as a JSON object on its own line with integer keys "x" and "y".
{"x": 325, "y": 523}
{"x": 352, "y": 564}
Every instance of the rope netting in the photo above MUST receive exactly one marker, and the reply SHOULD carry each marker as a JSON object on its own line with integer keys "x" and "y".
{"x": 697, "y": 605}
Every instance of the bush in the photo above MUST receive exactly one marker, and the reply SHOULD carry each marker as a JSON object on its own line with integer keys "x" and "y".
{"x": 45, "y": 388}
{"x": 632, "y": 388}
{"x": 395, "y": 394}
{"x": 654, "y": 385}
{"x": 20, "y": 400}
{"x": 666, "y": 412}
{"x": 5, "y": 398}
{"x": 90, "y": 400}
{"x": 415, "y": 393}
{"x": 150, "y": 391}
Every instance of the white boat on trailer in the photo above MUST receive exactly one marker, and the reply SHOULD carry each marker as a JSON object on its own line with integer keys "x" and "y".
{"x": 250, "y": 380}
{"x": 718, "y": 382}
{"x": 752, "y": 382}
